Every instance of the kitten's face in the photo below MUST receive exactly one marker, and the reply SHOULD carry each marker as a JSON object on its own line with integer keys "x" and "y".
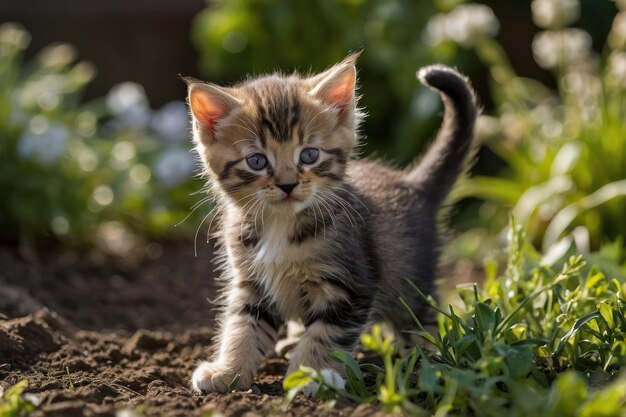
{"x": 277, "y": 143}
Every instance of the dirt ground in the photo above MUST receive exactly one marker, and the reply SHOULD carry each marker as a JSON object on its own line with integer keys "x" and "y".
{"x": 129, "y": 331}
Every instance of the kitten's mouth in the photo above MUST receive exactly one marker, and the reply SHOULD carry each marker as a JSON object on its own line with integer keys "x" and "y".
{"x": 289, "y": 200}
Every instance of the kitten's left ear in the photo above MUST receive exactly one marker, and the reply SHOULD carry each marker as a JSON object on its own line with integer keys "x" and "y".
{"x": 337, "y": 85}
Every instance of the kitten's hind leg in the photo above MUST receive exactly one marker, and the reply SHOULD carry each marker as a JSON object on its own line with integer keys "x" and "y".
{"x": 248, "y": 331}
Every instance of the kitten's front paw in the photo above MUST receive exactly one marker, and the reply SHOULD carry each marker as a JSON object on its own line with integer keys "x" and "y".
{"x": 331, "y": 377}
{"x": 213, "y": 377}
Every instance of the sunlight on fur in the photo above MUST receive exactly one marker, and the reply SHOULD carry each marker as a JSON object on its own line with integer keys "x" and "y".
{"x": 308, "y": 233}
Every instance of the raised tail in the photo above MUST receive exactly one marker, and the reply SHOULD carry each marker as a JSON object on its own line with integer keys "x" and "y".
{"x": 445, "y": 160}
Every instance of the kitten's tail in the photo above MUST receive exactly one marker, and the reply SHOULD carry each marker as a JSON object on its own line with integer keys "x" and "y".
{"x": 445, "y": 160}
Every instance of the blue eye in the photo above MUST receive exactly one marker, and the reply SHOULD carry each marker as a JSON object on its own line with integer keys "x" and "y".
{"x": 257, "y": 161}
{"x": 309, "y": 155}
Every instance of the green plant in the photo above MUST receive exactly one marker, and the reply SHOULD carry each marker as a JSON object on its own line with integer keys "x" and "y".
{"x": 98, "y": 172}
{"x": 532, "y": 341}
{"x": 13, "y": 402}
{"x": 565, "y": 149}
{"x": 240, "y": 37}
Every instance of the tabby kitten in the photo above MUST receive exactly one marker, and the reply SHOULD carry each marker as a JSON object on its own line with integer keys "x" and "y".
{"x": 308, "y": 233}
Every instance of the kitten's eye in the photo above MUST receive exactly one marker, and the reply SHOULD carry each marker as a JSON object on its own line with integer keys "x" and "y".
{"x": 257, "y": 161}
{"x": 309, "y": 155}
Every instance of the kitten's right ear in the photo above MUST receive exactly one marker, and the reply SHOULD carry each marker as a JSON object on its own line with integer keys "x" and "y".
{"x": 209, "y": 103}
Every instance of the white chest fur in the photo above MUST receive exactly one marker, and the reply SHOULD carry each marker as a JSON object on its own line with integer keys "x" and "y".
{"x": 282, "y": 266}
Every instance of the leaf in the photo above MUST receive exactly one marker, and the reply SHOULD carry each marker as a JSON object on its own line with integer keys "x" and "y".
{"x": 563, "y": 218}
{"x": 530, "y": 342}
{"x": 353, "y": 372}
{"x": 299, "y": 379}
{"x": 231, "y": 387}
{"x": 574, "y": 329}
{"x": 519, "y": 361}
{"x": 13, "y": 403}
{"x": 372, "y": 368}
{"x": 426, "y": 336}
{"x": 490, "y": 188}
{"x": 485, "y": 318}
{"x": 607, "y": 314}
{"x": 428, "y": 377}
{"x": 423, "y": 332}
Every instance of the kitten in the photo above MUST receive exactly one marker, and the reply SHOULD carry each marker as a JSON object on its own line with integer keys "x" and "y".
{"x": 308, "y": 233}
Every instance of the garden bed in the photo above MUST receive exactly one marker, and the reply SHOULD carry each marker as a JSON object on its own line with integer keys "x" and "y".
{"x": 93, "y": 335}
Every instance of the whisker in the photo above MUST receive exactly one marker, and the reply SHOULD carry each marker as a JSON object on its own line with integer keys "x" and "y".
{"x": 244, "y": 140}
{"x": 254, "y": 134}
{"x": 306, "y": 129}
{"x": 195, "y": 238}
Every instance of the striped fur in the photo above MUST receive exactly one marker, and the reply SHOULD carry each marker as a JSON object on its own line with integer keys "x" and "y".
{"x": 334, "y": 252}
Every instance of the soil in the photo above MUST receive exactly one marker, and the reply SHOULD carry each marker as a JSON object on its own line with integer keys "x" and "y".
{"x": 95, "y": 334}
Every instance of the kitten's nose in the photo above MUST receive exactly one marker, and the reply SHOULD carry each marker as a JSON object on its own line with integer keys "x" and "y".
{"x": 287, "y": 187}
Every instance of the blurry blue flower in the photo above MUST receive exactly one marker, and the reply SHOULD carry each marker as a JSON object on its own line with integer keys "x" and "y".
{"x": 171, "y": 122}
{"x": 174, "y": 166}
{"x": 129, "y": 104}
{"x": 44, "y": 145}
{"x": 555, "y": 14}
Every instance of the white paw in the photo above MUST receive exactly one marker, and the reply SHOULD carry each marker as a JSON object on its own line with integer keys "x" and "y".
{"x": 331, "y": 378}
{"x": 213, "y": 377}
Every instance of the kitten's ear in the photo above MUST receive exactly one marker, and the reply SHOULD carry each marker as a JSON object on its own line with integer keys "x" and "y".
{"x": 210, "y": 103}
{"x": 337, "y": 85}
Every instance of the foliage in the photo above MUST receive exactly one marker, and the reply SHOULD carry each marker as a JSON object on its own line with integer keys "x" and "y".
{"x": 533, "y": 341}
{"x": 13, "y": 402}
{"x": 84, "y": 172}
{"x": 565, "y": 149}
{"x": 240, "y": 37}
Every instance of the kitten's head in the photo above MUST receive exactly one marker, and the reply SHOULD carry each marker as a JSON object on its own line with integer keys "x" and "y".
{"x": 277, "y": 142}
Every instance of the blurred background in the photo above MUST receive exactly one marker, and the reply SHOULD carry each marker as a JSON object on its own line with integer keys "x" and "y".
{"x": 95, "y": 151}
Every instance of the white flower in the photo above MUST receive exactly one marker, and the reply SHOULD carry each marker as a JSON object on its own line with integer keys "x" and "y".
{"x": 463, "y": 25}
{"x": 44, "y": 91}
{"x": 174, "y": 166}
{"x": 13, "y": 35}
{"x": 435, "y": 31}
{"x": 58, "y": 55}
{"x": 617, "y": 35}
{"x": 129, "y": 104}
{"x": 171, "y": 122}
{"x": 332, "y": 378}
{"x": 617, "y": 68}
{"x": 45, "y": 145}
{"x": 467, "y": 22}
{"x": 567, "y": 46}
{"x": 555, "y": 14}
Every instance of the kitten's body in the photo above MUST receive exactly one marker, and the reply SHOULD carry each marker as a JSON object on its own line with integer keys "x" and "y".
{"x": 328, "y": 243}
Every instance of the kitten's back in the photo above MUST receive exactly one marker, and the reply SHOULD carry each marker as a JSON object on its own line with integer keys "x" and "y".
{"x": 403, "y": 206}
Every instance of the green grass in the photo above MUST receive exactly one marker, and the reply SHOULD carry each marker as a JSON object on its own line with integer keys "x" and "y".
{"x": 563, "y": 148}
{"x": 69, "y": 378}
{"x": 531, "y": 341}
